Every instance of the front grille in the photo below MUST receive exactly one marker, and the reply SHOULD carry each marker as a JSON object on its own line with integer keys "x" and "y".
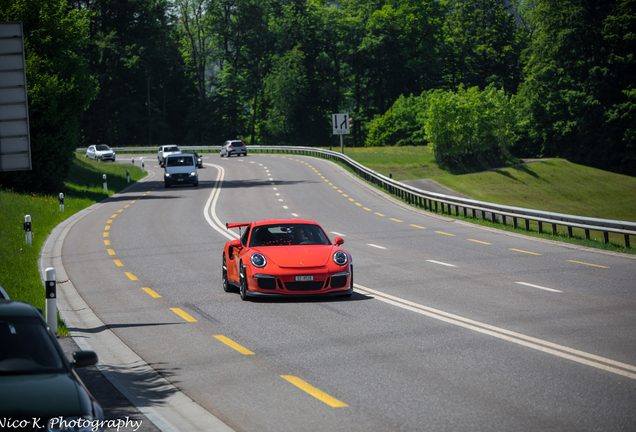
{"x": 180, "y": 175}
{"x": 267, "y": 283}
{"x": 338, "y": 281}
{"x": 304, "y": 286}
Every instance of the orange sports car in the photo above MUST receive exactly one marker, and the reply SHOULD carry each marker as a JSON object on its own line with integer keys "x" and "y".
{"x": 285, "y": 257}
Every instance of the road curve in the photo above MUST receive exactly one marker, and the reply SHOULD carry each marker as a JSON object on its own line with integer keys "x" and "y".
{"x": 452, "y": 326}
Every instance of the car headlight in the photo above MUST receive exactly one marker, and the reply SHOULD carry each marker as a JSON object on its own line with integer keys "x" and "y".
{"x": 193, "y": 174}
{"x": 167, "y": 174}
{"x": 340, "y": 258}
{"x": 258, "y": 260}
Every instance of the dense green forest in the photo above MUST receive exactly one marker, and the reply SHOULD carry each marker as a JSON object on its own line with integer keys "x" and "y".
{"x": 472, "y": 78}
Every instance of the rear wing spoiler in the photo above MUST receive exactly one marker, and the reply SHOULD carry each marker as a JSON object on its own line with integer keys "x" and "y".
{"x": 237, "y": 225}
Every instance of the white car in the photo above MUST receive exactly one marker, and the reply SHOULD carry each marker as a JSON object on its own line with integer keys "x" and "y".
{"x": 165, "y": 151}
{"x": 180, "y": 169}
{"x": 100, "y": 152}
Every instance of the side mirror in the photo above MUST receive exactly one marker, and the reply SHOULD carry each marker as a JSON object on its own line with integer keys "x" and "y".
{"x": 83, "y": 358}
{"x": 339, "y": 241}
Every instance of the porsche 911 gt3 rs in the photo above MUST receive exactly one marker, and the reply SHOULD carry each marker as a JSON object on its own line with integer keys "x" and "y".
{"x": 285, "y": 257}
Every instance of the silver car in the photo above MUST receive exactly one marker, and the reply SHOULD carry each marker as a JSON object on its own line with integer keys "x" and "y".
{"x": 100, "y": 152}
{"x": 236, "y": 147}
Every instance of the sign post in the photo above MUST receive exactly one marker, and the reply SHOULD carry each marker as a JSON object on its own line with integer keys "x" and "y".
{"x": 340, "y": 124}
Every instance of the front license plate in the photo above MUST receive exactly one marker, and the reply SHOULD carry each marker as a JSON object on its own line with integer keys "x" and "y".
{"x": 179, "y": 179}
{"x": 304, "y": 278}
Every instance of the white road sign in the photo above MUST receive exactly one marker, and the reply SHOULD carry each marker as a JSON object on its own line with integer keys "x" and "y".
{"x": 340, "y": 124}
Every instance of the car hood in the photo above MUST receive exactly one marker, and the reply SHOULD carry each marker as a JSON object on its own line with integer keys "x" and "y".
{"x": 45, "y": 396}
{"x": 298, "y": 256}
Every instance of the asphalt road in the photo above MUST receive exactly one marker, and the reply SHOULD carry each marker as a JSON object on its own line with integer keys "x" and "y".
{"x": 452, "y": 327}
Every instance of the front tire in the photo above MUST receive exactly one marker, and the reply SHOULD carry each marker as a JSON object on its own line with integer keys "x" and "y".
{"x": 226, "y": 285}
{"x": 243, "y": 285}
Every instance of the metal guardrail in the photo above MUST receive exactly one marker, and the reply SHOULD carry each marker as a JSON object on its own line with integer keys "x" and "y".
{"x": 435, "y": 202}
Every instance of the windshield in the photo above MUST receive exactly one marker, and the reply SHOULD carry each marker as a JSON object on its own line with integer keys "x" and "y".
{"x": 26, "y": 347}
{"x": 102, "y": 147}
{"x": 180, "y": 161}
{"x": 288, "y": 234}
{"x": 171, "y": 149}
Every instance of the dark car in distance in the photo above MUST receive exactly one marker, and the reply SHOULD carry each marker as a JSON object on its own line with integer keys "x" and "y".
{"x": 39, "y": 389}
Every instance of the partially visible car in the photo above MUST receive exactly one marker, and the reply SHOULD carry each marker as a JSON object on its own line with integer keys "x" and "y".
{"x": 180, "y": 169}
{"x": 40, "y": 388}
{"x": 233, "y": 147}
{"x": 166, "y": 150}
{"x": 100, "y": 152}
{"x": 286, "y": 257}
{"x": 197, "y": 158}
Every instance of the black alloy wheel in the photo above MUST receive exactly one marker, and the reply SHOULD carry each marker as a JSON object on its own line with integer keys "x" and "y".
{"x": 226, "y": 285}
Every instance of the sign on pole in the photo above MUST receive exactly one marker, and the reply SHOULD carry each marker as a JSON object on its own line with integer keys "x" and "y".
{"x": 15, "y": 145}
{"x": 340, "y": 124}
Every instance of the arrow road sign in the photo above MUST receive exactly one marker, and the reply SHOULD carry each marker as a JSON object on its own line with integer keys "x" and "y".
{"x": 340, "y": 124}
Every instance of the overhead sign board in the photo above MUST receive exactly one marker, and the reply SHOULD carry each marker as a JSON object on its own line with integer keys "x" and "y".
{"x": 15, "y": 144}
{"x": 340, "y": 124}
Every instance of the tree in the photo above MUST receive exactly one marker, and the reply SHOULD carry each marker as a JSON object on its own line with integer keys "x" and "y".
{"x": 482, "y": 44}
{"x": 579, "y": 94}
{"x": 59, "y": 87}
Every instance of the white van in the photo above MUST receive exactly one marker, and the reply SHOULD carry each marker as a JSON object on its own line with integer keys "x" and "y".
{"x": 180, "y": 169}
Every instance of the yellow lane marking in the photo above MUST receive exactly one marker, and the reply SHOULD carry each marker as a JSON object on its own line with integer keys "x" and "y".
{"x": 322, "y": 396}
{"x": 119, "y": 211}
{"x": 417, "y": 226}
{"x": 106, "y": 242}
{"x": 367, "y": 208}
{"x": 359, "y": 205}
{"x": 229, "y": 342}
{"x": 132, "y": 202}
{"x": 131, "y": 276}
{"x": 335, "y": 187}
{"x": 396, "y": 220}
{"x": 107, "y": 227}
{"x": 109, "y": 221}
{"x": 114, "y": 216}
{"x": 105, "y": 234}
{"x": 110, "y": 252}
{"x": 441, "y": 232}
{"x": 183, "y": 315}
{"x": 351, "y": 199}
{"x": 151, "y": 292}
{"x": 126, "y": 206}
{"x": 587, "y": 264}
{"x": 379, "y": 214}
{"x": 477, "y": 241}
{"x": 119, "y": 264}
{"x": 522, "y": 251}
{"x": 342, "y": 192}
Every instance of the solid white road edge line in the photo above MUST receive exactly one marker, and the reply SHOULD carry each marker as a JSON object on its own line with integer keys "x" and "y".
{"x": 518, "y": 338}
{"x": 174, "y": 410}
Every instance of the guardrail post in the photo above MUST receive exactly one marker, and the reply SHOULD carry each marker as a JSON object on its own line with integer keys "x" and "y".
{"x": 587, "y": 234}
{"x": 627, "y": 240}
{"x": 514, "y": 222}
{"x": 474, "y": 213}
{"x": 503, "y": 219}
{"x": 527, "y": 224}
{"x": 554, "y": 229}
{"x": 540, "y": 227}
{"x": 569, "y": 232}
{"x": 27, "y": 227}
{"x": 51, "y": 300}
{"x": 606, "y": 237}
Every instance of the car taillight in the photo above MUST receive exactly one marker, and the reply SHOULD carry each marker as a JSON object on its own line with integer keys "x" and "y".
{"x": 230, "y": 145}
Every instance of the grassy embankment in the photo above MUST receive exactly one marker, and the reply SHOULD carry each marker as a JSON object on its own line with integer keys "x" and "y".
{"x": 555, "y": 185}
{"x": 19, "y": 272}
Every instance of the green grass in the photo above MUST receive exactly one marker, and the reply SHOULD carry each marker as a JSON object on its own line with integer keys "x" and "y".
{"x": 555, "y": 185}
{"x": 19, "y": 272}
